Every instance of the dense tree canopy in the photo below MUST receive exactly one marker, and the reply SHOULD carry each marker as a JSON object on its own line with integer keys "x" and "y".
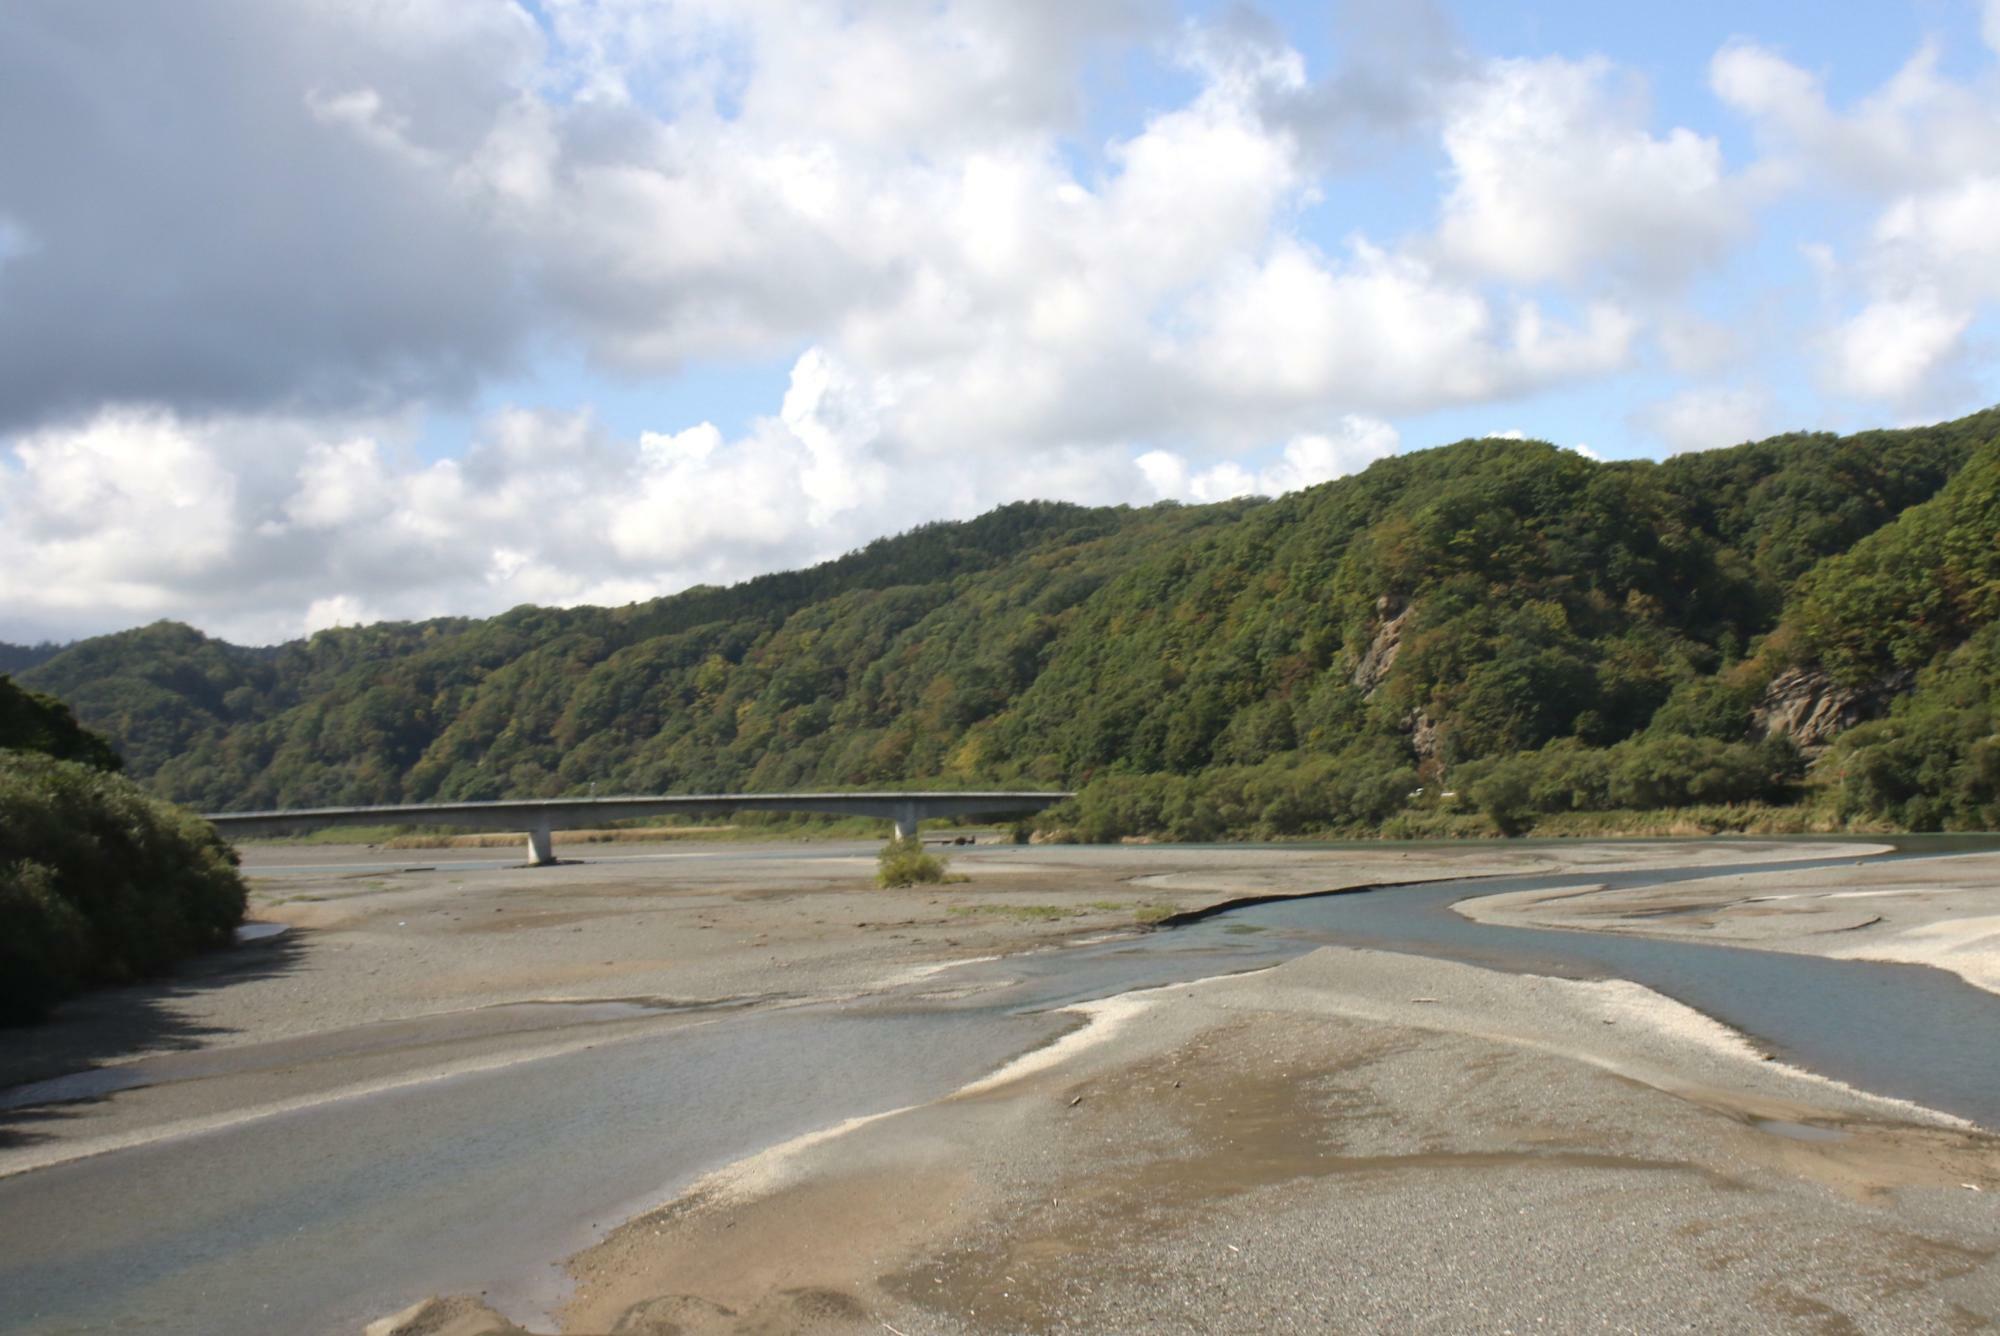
{"x": 1443, "y": 611}
{"x": 31, "y": 721}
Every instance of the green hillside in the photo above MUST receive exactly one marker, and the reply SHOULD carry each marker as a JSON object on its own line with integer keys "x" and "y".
{"x": 20, "y": 658}
{"x": 1496, "y": 616}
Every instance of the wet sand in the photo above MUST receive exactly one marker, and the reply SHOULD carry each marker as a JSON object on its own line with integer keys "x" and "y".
{"x": 401, "y": 966}
{"x": 1944, "y": 913}
{"x": 1354, "y": 1140}
{"x": 406, "y": 964}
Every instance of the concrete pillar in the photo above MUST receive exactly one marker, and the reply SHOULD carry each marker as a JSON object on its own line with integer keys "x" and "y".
{"x": 541, "y": 847}
{"x": 907, "y": 817}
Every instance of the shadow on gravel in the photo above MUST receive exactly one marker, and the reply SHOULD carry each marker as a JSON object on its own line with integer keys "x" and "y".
{"x": 101, "y": 1027}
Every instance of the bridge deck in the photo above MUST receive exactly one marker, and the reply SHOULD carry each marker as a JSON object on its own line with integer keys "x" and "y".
{"x": 537, "y": 817}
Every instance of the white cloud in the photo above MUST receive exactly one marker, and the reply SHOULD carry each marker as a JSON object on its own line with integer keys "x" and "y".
{"x": 1306, "y": 461}
{"x": 1893, "y": 346}
{"x": 982, "y": 293}
{"x": 339, "y": 610}
{"x": 1706, "y": 418}
{"x": 1384, "y": 333}
{"x": 1920, "y": 129}
{"x": 124, "y": 503}
{"x": 1948, "y": 234}
{"x": 1920, "y": 152}
{"x": 1555, "y": 174}
{"x": 148, "y": 514}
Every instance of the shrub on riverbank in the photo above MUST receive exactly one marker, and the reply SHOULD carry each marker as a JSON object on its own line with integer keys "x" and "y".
{"x": 100, "y": 882}
{"x": 1652, "y": 785}
{"x": 904, "y": 863}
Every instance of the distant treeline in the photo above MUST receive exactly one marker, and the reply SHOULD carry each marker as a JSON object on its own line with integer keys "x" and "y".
{"x": 19, "y": 658}
{"x": 1496, "y": 631}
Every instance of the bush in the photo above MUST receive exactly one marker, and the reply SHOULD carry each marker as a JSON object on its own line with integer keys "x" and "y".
{"x": 100, "y": 883}
{"x": 44, "y": 941}
{"x": 31, "y": 721}
{"x": 904, "y": 863}
{"x": 1506, "y": 793}
{"x": 1650, "y": 773}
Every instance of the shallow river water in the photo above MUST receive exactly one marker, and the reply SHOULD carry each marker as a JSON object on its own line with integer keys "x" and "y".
{"x": 320, "y": 1219}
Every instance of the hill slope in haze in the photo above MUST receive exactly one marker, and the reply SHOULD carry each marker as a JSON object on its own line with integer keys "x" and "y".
{"x": 1292, "y": 664}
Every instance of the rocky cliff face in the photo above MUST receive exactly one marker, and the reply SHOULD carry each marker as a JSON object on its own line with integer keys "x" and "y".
{"x": 1426, "y": 738}
{"x": 1809, "y": 707}
{"x": 1380, "y": 656}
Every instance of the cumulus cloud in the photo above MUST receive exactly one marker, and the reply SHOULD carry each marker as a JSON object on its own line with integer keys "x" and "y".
{"x": 1555, "y": 174}
{"x": 263, "y": 529}
{"x": 1920, "y": 129}
{"x": 1707, "y": 418}
{"x": 1305, "y": 461}
{"x": 1920, "y": 151}
{"x": 244, "y": 250}
{"x": 1894, "y": 346}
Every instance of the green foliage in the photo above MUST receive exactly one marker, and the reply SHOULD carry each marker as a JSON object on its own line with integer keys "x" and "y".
{"x": 1275, "y": 667}
{"x": 1656, "y": 770}
{"x": 1934, "y": 763}
{"x": 1506, "y": 793}
{"x": 100, "y": 882}
{"x": 30, "y": 721}
{"x": 19, "y": 658}
{"x": 904, "y": 863}
{"x": 1709, "y": 707}
{"x": 1915, "y": 588}
{"x": 44, "y": 942}
{"x": 1294, "y": 794}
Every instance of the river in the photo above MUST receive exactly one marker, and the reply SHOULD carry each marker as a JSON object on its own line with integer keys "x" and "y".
{"x": 319, "y": 1219}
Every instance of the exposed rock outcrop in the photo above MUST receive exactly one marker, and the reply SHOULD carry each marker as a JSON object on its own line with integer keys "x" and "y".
{"x": 1426, "y": 738}
{"x": 1391, "y": 616}
{"x": 1809, "y": 707}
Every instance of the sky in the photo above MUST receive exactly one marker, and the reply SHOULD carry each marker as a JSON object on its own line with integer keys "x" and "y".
{"x": 321, "y": 312}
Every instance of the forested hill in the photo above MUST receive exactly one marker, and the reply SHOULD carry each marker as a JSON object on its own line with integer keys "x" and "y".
{"x": 1500, "y": 613}
{"x": 14, "y": 658}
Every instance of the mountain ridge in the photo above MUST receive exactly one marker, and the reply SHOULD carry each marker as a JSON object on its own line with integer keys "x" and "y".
{"x": 1530, "y": 596}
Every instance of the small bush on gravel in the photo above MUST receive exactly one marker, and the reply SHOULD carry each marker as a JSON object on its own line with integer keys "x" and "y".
{"x": 904, "y": 863}
{"x": 100, "y": 882}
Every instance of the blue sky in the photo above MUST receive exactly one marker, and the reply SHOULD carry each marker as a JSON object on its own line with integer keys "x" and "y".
{"x": 322, "y": 315}
{"x": 1667, "y": 49}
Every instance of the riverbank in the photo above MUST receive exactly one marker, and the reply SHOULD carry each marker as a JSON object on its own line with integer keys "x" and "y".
{"x": 1337, "y": 1100}
{"x": 1352, "y": 1141}
{"x": 1944, "y": 914}
{"x": 396, "y": 968}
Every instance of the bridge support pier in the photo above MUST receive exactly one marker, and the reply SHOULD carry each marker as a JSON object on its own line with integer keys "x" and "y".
{"x": 906, "y": 819}
{"x": 541, "y": 847}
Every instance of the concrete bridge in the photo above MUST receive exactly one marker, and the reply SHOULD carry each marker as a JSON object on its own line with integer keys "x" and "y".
{"x": 539, "y": 816}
